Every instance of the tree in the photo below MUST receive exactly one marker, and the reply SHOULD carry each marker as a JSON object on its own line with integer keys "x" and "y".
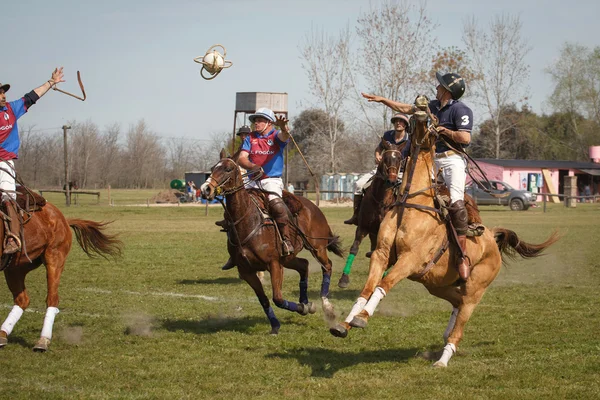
{"x": 499, "y": 59}
{"x": 83, "y": 151}
{"x": 396, "y": 48}
{"x": 326, "y": 61}
{"x": 144, "y": 156}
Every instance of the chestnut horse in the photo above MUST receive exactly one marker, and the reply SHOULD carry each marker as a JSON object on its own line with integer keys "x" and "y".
{"x": 414, "y": 230}
{"x": 47, "y": 240}
{"x": 378, "y": 196}
{"x": 254, "y": 242}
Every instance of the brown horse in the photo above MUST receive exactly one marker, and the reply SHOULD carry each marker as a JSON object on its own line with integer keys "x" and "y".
{"x": 254, "y": 243}
{"x": 414, "y": 231}
{"x": 378, "y": 196}
{"x": 47, "y": 240}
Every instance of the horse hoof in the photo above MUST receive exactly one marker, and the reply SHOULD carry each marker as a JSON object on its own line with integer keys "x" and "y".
{"x": 358, "y": 322}
{"x": 369, "y": 254}
{"x": 3, "y": 341}
{"x": 344, "y": 281}
{"x": 439, "y": 364}
{"x": 312, "y": 307}
{"x": 339, "y": 331}
{"x": 42, "y": 345}
{"x": 274, "y": 331}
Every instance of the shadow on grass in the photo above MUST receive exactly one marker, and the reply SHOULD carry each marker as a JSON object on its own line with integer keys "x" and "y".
{"x": 18, "y": 340}
{"x": 213, "y": 324}
{"x": 324, "y": 363}
{"x": 216, "y": 281}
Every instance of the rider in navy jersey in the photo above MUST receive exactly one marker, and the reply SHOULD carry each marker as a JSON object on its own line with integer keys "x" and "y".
{"x": 455, "y": 123}
{"x": 10, "y": 112}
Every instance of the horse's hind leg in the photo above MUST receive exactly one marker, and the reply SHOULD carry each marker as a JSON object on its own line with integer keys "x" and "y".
{"x": 327, "y": 270}
{"x": 55, "y": 263}
{"x": 15, "y": 278}
{"x": 254, "y": 281}
{"x": 359, "y": 235}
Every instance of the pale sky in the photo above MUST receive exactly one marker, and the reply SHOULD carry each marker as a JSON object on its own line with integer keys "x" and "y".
{"x": 135, "y": 57}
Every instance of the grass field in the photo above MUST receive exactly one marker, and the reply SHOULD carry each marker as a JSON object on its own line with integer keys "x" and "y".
{"x": 165, "y": 322}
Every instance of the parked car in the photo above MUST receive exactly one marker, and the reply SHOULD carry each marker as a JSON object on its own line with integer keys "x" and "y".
{"x": 517, "y": 200}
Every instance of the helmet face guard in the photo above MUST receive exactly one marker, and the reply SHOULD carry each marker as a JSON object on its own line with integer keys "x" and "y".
{"x": 453, "y": 83}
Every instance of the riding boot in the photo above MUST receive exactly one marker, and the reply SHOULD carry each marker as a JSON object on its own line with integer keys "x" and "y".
{"x": 280, "y": 214}
{"x": 354, "y": 219}
{"x": 460, "y": 220}
{"x": 228, "y": 265}
{"x": 12, "y": 241}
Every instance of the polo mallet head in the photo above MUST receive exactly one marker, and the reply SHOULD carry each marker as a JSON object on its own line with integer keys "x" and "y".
{"x": 213, "y": 62}
{"x": 71, "y": 94}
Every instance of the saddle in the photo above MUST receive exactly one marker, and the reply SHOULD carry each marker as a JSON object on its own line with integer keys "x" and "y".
{"x": 291, "y": 201}
{"x": 476, "y": 227}
{"x": 28, "y": 200}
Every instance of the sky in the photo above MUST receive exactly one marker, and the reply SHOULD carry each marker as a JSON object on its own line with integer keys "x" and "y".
{"x": 136, "y": 57}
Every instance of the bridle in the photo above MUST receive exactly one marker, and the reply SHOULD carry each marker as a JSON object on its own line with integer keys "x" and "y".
{"x": 219, "y": 187}
{"x": 386, "y": 168}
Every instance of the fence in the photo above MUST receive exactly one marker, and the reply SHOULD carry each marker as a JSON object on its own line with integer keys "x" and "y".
{"x": 567, "y": 199}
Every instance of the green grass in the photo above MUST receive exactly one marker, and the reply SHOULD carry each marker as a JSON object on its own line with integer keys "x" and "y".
{"x": 166, "y": 322}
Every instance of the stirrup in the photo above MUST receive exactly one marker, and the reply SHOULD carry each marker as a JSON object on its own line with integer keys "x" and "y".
{"x": 16, "y": 245}
{"x": 286, "y": 247}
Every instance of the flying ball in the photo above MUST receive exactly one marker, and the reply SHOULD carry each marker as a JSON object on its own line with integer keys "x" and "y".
{"x": 213, "y": 62}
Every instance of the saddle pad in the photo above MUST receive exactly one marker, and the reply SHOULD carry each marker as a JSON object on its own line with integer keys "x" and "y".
{"x": 36, "y": 201}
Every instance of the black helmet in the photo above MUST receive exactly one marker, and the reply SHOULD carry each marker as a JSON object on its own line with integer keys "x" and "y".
{"x": 453, "y": 83}
{"x": 244, "y": 129}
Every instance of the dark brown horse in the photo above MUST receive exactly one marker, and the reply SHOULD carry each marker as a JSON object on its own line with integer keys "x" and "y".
{"x": 378, "y": 196}
{"x": 410, "y": 237}
{"x": 47, "y": 240}
{"x": 254, "y": 244}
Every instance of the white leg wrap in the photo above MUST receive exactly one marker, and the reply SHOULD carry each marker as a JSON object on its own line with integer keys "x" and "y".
{"x": 450, "y": 324}
{"x": 49, "y": 322}
{"x": 12, "y": 319}
{"x": 449, "y": 351}
{"x": 374, "y": 300}
{"x": 358, "y": 307}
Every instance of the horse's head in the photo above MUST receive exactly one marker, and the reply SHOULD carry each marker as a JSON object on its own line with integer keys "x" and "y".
{"x": 224, "y": 177}
{"x": 423, "y": 126}
{"x": 391, "y": 161}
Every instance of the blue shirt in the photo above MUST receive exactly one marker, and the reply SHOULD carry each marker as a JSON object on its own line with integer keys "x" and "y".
{"x": 267, "y": 151}
{"x": 9, "y": 130}
{"x": 456, "y": 116}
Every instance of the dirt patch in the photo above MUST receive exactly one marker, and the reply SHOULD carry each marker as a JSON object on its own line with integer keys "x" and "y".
{"x": 167, "y": 196}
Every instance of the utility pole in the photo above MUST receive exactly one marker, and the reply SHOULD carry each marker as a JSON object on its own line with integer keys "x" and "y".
{"x": 67, "y": 189}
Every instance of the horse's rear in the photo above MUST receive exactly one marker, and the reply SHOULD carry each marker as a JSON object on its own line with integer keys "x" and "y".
{"x": 48, "y": 240}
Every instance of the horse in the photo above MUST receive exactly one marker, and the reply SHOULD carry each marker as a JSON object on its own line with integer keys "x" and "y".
{"x": 415, "y": 231}
{"x": 47, "y": 240}
{"x": 378, "y": 196}
{"x": 254, "y": 243}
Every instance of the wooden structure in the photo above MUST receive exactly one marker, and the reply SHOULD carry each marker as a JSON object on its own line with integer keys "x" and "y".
{"x": 71, "y": 193}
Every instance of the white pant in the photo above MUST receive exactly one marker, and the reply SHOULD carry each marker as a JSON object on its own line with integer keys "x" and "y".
{"x": 7, "y": 179}
{"x": 269, "y": 185}
{"x": 454, "y": 172}
{"x": 362, "y": 181}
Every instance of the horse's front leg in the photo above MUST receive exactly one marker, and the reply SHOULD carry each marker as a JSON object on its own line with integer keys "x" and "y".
{"x": 359, "y": 235}
{"x": 277, "y": 282}
{"x": 15, "y": 278}
{"x": 403, "y": 268}
{"x": 251, "y": 277}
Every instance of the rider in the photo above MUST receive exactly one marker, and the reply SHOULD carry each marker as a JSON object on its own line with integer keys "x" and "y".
{"x": 262, "y": 151}
{"x": 10, "y": 112}
{"x": 396, "y": 136}
{"x": 455, "y": 123}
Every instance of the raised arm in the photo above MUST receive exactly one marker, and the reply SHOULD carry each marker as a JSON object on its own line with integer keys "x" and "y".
{"x": 394, "y": 105}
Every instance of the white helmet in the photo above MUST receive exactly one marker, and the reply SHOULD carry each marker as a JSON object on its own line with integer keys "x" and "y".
{"x": 264, "y": 113}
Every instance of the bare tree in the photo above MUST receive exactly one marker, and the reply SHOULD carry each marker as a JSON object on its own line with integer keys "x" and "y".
{"x": 109, "y": 160}
{"x": 396, "y": 48}
{"x": 498, "y": 57}
{"x": 326, "y": 62}
{"x": 144, "y": 155}
{"x": 85, "y": 143}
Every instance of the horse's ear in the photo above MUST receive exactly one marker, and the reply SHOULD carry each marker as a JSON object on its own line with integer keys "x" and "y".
{"x": 222, "y": 154}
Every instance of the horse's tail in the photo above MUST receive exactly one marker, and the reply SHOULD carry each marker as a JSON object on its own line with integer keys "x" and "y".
{"x": 335, "y": 246}
{"x": 510, "y": 245}
{"x": 93, "y": 241}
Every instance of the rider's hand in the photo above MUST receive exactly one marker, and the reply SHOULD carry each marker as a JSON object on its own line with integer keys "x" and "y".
{"x": 256, "y": 170}
{"x": 372, "y": 97}
{"x": 422, "y": 102}
{"x": 282, "y": 123}
{"x": 57, "y": 76}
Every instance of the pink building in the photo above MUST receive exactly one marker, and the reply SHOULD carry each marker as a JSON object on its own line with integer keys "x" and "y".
{"x": 539, "y": 176}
